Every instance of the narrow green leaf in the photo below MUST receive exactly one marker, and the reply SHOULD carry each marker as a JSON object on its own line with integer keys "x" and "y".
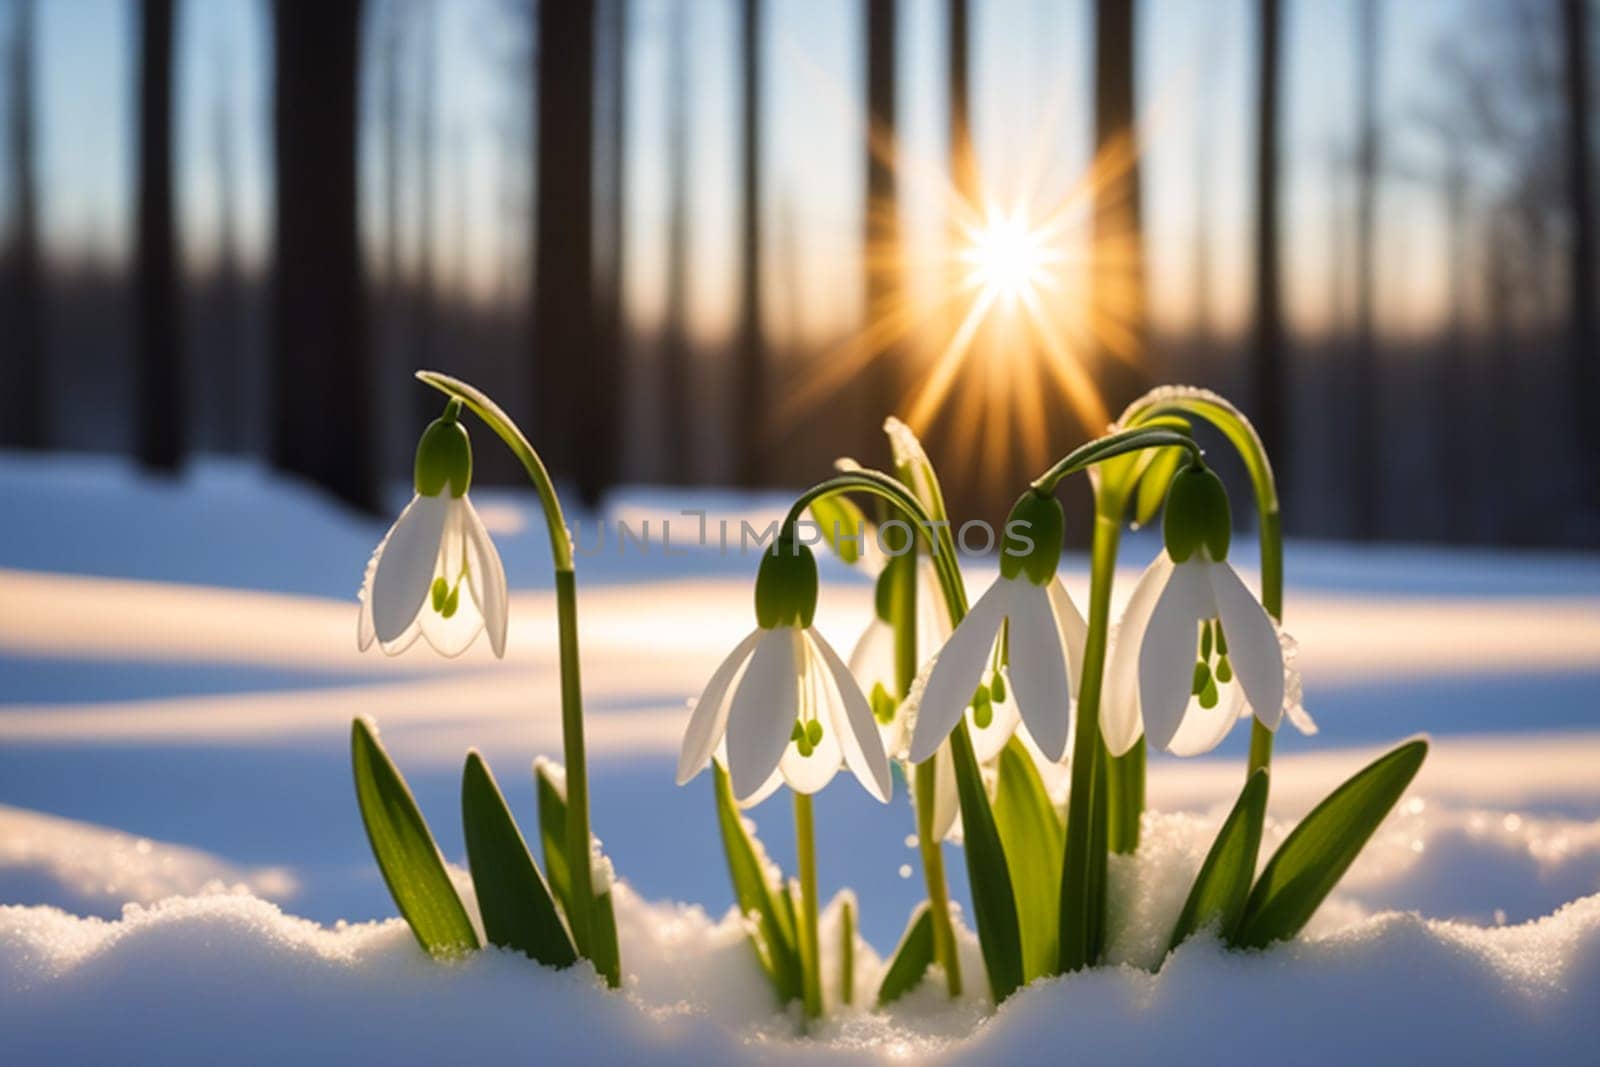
{"x": 553, "y": 832}
{"x": 518, "y": 910}
{"x": 912, "y": 957}
{"x": 994, "y": 906}
{"x": 843, "y": 524}
{"x": 847, "y": 950}
{"x": 1223, "y": 884}
{"x": 553, "y": 841}
{"x": 1153, "y": 483}
{"x": 405, "y": 850}
{"x": 1033, "y": 838}
{"x": 1315, "y": 856}
{"x": 774, "y": 933}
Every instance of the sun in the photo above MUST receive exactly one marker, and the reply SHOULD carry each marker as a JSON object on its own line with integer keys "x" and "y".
{"x": 1007, "y": 259}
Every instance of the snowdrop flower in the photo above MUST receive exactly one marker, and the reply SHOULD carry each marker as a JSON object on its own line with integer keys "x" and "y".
{"x": 436, "y": 574}
{"x": 1195, "y": 648}
{"x": 783, "y": 706}
{"x": 1045, "y": 636}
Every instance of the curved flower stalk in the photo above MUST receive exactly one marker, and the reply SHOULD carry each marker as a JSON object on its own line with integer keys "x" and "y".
{"x": 1195, "y": 648}
{"x": 436, "y": 574}
{"x": 462, "y": 552}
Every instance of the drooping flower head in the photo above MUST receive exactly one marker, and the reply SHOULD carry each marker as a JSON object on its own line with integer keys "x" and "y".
{"x": 436, "y": 574}
{"x": 783, "y": 705}
{"x": 1043, "y": 648}
{"x": 1195, "y": 648}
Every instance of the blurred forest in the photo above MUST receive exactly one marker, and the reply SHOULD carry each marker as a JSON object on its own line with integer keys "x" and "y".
{"x": 1464, "y": 423}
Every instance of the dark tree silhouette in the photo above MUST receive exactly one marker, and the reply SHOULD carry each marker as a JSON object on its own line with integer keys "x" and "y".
{"x": 392, "y": 112}
{"x": 322, "y": 418}
{"x": 25, "y": 407}
{"x": 598, "y": 460}
{"x": 1363, "y": 483}
{"x": 161, "y": 415}
{"x": 564, "y": 353}
{"x": 1585, "y": 339}
{"x": 675, "y": 365}
{"x": 1117, "y": 284}
{"x": 1268, "y": 365}
{"x": 881, "y": 266}
{"x": 750, "y": 386}
{"x": 229, "y": 345}
{"x": 425, "y": 297}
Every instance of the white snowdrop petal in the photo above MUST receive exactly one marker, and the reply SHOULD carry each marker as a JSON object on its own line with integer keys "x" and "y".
{"x": 1121, "y": 723}
{"x": 1074, "y": 631}
{"x": 487, "y": 578}
{"x": 405, "y": 640}
{"x": 987, "y": 741}
{"x": 808, "y": 774}
{"x": 1203, "y": 729}
{"x": 872, "y": 660}
{"x": 1039, "y": 668}
{"x": 853, "y": 721}
{"x": 1253, "y": 646}
{"x": 764, "y": 708}
{"x": 957, "y": 671}
{"x": 406, "y": 564}
{"x": 1167, "y": 653}
{"x": 454, "y": 635}
{"x": 709, "y": 720}
{"x": 773, "y": 783}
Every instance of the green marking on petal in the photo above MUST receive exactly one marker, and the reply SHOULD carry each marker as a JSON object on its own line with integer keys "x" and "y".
{"x": 451, "y": 603}
{"x": 1205, "y": 640}
{"x": 798, "y": 734}
{"x": 1208, "y": 695}
{"x": 982, "y": 708}
{"x": 998, "y": 688}
{"x": 884, "y": 705}
{"x": 1202, "y": 678}
{"x": 1222, "y": 640}
{"x": 814, "y": 732}
{"x": 1224, "y": 670}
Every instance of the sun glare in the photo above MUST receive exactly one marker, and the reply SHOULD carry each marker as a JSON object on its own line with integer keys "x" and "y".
{"x": 1008, "y": 259}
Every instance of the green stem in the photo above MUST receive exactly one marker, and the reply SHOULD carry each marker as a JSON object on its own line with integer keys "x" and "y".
{"x": 1080, "y": 888}
{"x": 581, "y": 903}
{"x": 810, "y": 941}
{"x": 903, "y": 606}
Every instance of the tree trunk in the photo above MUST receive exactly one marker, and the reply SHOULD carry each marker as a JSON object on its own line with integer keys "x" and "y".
{"x": 1585, "y": 339}
{"x": 749, "y": 392}
{"x": 598, "y": 458}
{"x": 1117, "y": 284}
{"x": 322, "y": 423}
{"x": 1363, "y": 486}
{"x": 1271, "y": 378}
{"x": 563, "y": 294}
{"x": 675, "y": 366}
{"x": 161, "y": 421}
{"x": 881, "y": 249}
{"x": 425, "y": 310}
{"x": 25, "y": 407}
{"x": 229, "y": 344}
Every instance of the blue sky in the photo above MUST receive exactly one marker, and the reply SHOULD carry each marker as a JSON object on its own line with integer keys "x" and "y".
{"x": 1032, "y": 91}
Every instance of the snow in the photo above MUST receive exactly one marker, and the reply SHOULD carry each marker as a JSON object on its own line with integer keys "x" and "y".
{"x": 178, "y": 674}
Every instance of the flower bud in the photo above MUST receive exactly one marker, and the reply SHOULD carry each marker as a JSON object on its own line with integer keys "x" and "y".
{"x": 1038, "y": 517}
{"x": 1197, "y": 515}
{"x": 786, "y": 585}
{"x": 444, "y": 456}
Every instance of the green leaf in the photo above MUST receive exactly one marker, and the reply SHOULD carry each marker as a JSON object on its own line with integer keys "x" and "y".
{"x": 994, "y": 906}
{"x": 1153, "y": 483}
{"x": 912, "y": 957}
{"x": 774, "y": 932}
{"x": 1033, "y": 838}
{"x": 1315, "y": 856}
{"x": 1223, "y": 884}
{"x": 553, "y": 840}
{"x": 847, "y": 950}
{"x": 405, "y": 850}
{"x": 844, "y": 525}
{"x": 553, "y": 832}
{"x": 518, "y": 910}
